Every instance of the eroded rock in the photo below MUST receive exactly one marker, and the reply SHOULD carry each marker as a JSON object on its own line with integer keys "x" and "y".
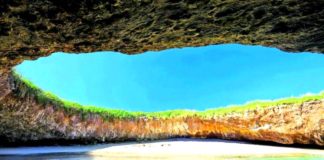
{"x": 36, "y": 28}
{"x": 23, "y": 120}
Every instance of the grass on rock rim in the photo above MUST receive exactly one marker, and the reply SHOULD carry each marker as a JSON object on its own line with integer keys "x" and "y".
{"x": 26, "y": 87}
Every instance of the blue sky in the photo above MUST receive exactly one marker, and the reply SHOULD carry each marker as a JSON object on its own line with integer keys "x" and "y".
{"x": 188, "y": 78}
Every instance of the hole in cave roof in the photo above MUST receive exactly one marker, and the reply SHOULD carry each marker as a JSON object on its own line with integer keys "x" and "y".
{"x": 189, "y": 78}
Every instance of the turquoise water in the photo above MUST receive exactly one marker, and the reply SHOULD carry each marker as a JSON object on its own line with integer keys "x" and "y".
{"x": 189, "y": 78}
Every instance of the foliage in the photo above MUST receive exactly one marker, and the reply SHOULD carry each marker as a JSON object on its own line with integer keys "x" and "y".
{"x": 26, "y": 87}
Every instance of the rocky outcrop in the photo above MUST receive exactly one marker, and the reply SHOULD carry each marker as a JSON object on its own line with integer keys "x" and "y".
{"x": 24, "y": 120}
{"x": 37, "y": 28}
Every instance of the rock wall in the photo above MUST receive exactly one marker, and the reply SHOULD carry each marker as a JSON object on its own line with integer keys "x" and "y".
{"x": 35, "y": 28}
{"x": 23, "y": 121}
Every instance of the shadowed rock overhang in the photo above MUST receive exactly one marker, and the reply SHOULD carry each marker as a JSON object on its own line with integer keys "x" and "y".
{"x": 36, "y": 28}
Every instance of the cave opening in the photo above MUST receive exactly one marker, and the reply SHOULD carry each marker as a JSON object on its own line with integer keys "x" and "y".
{"x": 195, "y": 78}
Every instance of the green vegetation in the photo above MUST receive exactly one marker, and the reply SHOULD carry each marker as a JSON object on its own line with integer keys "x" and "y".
{"x": 28, "y": 88}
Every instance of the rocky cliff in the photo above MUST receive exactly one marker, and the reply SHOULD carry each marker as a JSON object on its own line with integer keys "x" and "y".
{"x": 36, "y": 28}
{"x": 24, "y": 120}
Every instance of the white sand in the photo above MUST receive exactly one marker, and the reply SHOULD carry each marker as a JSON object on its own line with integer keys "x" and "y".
{"x": 178, "y": 147}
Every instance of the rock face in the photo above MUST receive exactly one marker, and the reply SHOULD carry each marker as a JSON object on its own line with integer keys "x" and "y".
{"x": 37, "y": 28}
{"x": 23, "y": 121}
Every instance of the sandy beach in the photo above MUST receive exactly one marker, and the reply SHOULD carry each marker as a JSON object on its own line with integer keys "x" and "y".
{"x": 168, "y": 149}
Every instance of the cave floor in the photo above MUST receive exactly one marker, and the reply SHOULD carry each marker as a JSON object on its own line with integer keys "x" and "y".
{"x": 166, "y": 149}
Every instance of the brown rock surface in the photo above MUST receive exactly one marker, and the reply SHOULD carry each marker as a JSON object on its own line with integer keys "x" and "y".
{"x": 36, "y": 28}
{"x": 24, "y": 120}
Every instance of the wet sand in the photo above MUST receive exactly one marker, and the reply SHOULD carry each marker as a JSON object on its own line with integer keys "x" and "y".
{"x": 168, "y": 149}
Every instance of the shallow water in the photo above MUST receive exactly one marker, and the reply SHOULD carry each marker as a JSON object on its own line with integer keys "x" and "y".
{"x": 189, "y": 78}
